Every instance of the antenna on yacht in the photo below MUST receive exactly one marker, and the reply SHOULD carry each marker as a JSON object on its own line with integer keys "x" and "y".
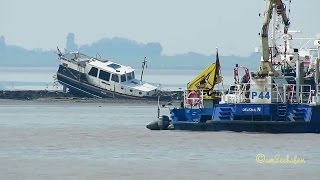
{"x": 59, "y": 52}
{"x": 144, "y": 65}
{"x": 158, "y": 110}
{"x": 99, "y": 56}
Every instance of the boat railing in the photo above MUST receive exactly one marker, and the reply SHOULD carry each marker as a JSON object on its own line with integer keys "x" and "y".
{"x": 237, "y": 93}
{"x": 242, "y": 93}
{"x": 318, "y": 91}
{"x": 284, "y": 93}
{"x": 316, "y": 98}
{"x": 298, "y": 93}
{"x": 279, "y": 93}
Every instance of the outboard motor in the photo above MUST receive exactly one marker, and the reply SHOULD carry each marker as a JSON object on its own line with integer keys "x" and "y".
{"x": 161, "y": 124}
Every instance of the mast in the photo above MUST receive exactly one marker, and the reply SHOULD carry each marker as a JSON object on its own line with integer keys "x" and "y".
{"x": 144, "y": 65}
{"x": 274, "y": 27}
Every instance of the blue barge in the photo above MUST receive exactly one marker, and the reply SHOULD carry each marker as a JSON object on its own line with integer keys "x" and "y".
{"x": 288, "y": 112}
{"x": 282, "y": 96}
{"x": 272, "y": 118}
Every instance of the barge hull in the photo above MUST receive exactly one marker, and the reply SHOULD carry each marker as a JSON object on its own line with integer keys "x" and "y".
{"x": 250, "y": 126}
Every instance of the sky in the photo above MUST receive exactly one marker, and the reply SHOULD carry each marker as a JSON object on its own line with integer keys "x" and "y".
{"x": 181, "y": 26}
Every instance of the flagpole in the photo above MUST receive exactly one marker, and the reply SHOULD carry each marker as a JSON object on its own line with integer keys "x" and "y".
{"x": 219, "y": 68}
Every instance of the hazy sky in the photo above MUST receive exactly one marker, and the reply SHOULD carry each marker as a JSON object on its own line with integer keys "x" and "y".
{"x": 179, "y": 25}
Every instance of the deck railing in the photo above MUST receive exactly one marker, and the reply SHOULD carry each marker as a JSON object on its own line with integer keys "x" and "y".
{"x": 287, "y": 93}
{"x": 242, "y": 93}
{"x": 298, "y": 94}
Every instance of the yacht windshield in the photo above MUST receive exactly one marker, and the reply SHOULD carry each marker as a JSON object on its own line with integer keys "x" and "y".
{"x": 129, "y": 76}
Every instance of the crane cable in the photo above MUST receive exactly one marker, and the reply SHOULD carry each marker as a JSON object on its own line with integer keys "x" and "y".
{"x": 285, "y": 46}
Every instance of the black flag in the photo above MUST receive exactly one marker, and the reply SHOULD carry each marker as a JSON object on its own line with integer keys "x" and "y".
{"x": 217, "y": 73}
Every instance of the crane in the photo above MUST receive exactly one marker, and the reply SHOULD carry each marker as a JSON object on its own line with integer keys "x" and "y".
{"x": 265, "y": 65}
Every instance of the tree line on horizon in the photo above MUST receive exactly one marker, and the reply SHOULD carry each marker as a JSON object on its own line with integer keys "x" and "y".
{"x": 119, "y": 50}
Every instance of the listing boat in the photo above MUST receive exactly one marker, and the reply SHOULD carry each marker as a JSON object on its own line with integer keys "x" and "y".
{"x": 283, "y": 96}
{"x": 95, "y": 77}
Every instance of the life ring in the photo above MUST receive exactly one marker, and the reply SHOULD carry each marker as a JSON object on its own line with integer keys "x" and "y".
{"x": 193, "y": 98}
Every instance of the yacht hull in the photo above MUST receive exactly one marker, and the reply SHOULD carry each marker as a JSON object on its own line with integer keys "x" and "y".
{"x": 78, "y": 86}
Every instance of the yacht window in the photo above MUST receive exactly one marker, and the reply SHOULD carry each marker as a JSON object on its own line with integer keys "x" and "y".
{"x": 129, "y": 76}
{"x": 115, "y": 78}
{"x": 104, "y": 75}
{"x": 132, "y": 75}
{"x": 93, "y": 72}
{"x": 123, "y": 78}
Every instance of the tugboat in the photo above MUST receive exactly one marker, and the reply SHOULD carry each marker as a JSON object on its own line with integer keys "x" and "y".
{"x": 95, "y": 77}
{"x": 283, "y": 96}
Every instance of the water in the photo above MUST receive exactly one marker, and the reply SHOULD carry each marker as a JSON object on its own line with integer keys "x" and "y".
{"x": 74, "y": 140}
{"x": 41, "y": 78}
{"x": 27, "y": 78}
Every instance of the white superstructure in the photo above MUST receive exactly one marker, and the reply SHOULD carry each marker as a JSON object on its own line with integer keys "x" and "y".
{"x": 108, "y": 76}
